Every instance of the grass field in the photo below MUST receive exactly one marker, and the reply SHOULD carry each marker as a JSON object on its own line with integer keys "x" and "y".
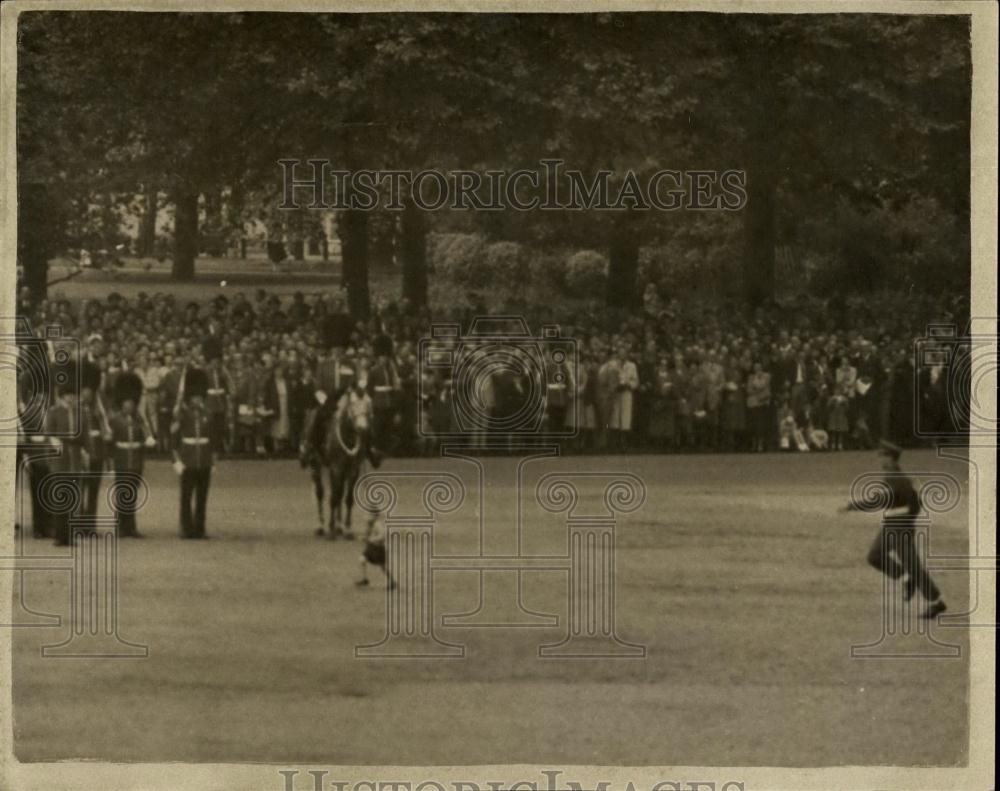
{"x": 738, "y": 575}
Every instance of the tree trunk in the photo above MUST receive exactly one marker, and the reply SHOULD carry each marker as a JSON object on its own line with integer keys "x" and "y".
{"x": 109, "y": 224}
{"x": 185, "y": 235}
{"x": 213, "y": 210}
{"x": 352, "y": 228}
{"x": 413, "y": 251}
{"x": 38, "y": 226}
{"x": 147, "y": 229}
{"x": 759, "y": 233}
{"x": 623, "y": 263}
{"x": 383, "y": 239}
{"x": 297, "y": 223}
{"x": 210, "y": 238}
{"x": 761, "y": 161}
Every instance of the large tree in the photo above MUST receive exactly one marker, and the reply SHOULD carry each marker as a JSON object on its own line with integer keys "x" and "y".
{"x": 821, "y": 111}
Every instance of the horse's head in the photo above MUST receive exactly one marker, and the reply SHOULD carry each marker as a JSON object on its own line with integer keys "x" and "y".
{"x": 355, "y": 425}
{"x": 359, "y": 423}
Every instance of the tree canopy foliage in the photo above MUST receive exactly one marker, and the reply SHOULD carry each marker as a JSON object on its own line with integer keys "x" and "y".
{"x": 853, "y": 129}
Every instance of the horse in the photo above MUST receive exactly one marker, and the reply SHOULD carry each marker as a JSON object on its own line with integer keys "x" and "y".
{"x": 337, "y": 439}
{"x": 347, "y": 447}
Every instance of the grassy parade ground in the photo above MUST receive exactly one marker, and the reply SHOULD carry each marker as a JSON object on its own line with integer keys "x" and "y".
{"x": 739, "y": 577}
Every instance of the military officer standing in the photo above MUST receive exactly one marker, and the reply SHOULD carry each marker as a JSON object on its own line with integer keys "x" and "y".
{"x": 384, "y": 384}
{"x": 96, "y": 431}
{"x": 192, "y": 452}
{"x": 34, "y": 449}
{"x": 63, "y": 426}
{"x": 558, "y": 384}
{"x": 128, "y": 440}
{"x": 220, "y": 392}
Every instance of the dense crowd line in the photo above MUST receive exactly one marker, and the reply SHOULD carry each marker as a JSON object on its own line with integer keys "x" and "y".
{"x": 671, "y": 376}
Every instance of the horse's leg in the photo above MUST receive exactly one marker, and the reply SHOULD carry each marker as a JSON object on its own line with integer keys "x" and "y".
{"x": 352, "y": 479}
{"x": 316, "y": 471}
{"x": 336, "y": 495}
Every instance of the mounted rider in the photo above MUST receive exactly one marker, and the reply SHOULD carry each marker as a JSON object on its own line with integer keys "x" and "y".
{"x": 333, "y": 376}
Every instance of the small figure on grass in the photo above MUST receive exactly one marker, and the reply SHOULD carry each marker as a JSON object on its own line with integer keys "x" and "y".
{"x": 374, "y": 551}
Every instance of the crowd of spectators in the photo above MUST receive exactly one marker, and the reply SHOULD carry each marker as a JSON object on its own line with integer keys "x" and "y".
{"x": 670, "y": 376}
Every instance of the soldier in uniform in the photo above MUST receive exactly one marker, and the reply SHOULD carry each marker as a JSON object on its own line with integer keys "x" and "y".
{"x": 34, "y": 449}
{"x": 219, "y": 395}
{"x": 335, "y": 373}
{"x": 192, "y": 452}
{"x": 900, "y": 558}
{"x": 67, "y": 435}
{"x": 128, "y": 438}
{"x": 558, "y": 381}
{"x": 96, "y": 430}
{"x": 384, "y": 385}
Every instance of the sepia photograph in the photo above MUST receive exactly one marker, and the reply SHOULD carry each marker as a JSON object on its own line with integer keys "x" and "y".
{"x": 498, "y": 397}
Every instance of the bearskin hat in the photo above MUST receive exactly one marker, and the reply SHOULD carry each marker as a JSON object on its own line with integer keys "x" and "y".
{"x": 90, "y": 376}
{"x": 211, "y": 347}
{"x": 382, "y": 346}
{"x": 195, "y": 383}
{"x": 128, "y": 387}
{"x": 336, "y": 331}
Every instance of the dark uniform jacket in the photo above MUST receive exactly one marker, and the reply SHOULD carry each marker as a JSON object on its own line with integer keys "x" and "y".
{"x": 383, "y": 385}
{"x": 93, "y": 437}
{"x": 191, "y": 437}
{"x": 558, "y": 383}
{"x": 127, "y": 438}
{"x": 333, "y": 377}
{"x": 220, "y": 389}
{"x": 902, "y": 495}
{"x": 63, "y": 426}
{"x": 31, "y": 439}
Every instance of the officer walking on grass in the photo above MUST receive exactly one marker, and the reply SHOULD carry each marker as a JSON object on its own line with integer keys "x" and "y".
{"x": 192, "y": 451}
{"x": 898, "y": 557}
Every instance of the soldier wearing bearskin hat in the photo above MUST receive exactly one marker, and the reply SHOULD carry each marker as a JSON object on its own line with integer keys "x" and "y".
{"x": 96, "y": 431}
{"x": 192, "y": 451}
{"x": 219, "y": 396}
{"x": 384, "y": 385}
{"x": 67, "y": 434}
{"x": 334, "y": 372}
{"x": 128, "y": 438}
